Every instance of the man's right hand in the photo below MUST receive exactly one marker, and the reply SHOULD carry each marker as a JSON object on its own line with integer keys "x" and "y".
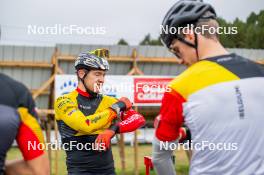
{"x": 122, "y": 105}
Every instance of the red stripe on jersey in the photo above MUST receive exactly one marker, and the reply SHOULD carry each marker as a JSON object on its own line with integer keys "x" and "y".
{"x": 171, "y": 116}
{"x": 26, "y": 140}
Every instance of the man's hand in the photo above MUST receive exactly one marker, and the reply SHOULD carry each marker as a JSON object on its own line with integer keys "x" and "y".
{"x": 105, "y": 138}
{"x": 184, "y": 134}
{"x": 131, "y": 120}
{"x": 122, "y": 105}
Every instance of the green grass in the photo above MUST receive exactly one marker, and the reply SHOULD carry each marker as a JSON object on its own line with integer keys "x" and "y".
{"x": 143, "y": 150}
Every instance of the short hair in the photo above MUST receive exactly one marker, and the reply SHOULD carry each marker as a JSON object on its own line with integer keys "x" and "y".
{"x": 208, "y": 23}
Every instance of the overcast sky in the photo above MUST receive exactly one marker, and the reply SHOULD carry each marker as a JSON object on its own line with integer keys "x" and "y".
{"x": 128, "y": 19}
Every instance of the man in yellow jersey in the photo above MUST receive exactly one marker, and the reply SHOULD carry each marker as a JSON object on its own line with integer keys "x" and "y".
{"x": 217, "y": 97}
{"x": 87, "y": 119}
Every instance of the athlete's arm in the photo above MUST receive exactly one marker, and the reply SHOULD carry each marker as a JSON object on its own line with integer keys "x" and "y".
{"x": 31, "y": 167}
{"x": 131, "y": 120}
{"x": 35, "y": 161}
{"x": 168, "y": 128}
{"x": 68, "y": 111}
{"x": 170, "y": 119}
{"x": 29, "y": 131}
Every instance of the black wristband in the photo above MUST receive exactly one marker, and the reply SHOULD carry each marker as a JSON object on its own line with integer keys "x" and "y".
{"x": 115, "y": 128}
{"x": 118, "y": 107}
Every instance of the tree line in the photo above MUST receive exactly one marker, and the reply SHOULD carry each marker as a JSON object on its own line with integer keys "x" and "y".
{"x": 250, "y": 33}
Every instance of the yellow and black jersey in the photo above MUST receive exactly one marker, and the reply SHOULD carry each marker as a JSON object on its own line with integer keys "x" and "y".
{"x": 78, "y": 114}
{"x": 80, "y": 119}
{"x": 221, "y": 100}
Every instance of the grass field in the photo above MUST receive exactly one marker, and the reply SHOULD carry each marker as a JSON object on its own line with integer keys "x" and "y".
{"x": 144, "y": 150}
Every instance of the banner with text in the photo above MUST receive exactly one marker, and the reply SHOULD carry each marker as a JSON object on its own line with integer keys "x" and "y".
{"x": 141, "y": 90}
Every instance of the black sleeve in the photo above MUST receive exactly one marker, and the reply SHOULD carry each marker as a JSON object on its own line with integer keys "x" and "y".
{"x": 25, "y": 99}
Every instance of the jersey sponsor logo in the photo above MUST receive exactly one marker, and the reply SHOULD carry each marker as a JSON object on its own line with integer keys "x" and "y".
{"x": 66, "y": 109}
{"x": 96, "y": 119}
{"x": 64, "y": 102}
{"x": 62, "y": 98}
{"x": 219, "y": 60}
{"x": 70, "y": 113}
{"x": 84, "y": 107}
{"x": 241, "y": 109}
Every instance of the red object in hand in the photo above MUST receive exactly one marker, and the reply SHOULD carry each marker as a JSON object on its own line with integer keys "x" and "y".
{"x": 105, "y": 138}
{"x": 131, "y": 120}
{"x": 127, "y": 102}
{"x": 148, "y": 164}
